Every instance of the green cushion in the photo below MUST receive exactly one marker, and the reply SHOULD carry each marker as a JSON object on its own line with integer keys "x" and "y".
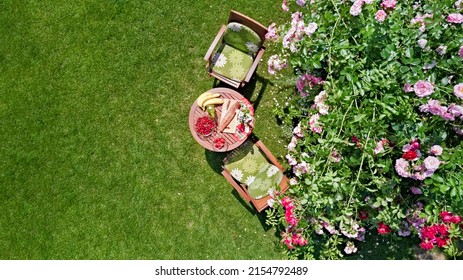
{"x": 249, "y": 166}
{"x": 231, "y": 63}
{"x": 242, "y": 38}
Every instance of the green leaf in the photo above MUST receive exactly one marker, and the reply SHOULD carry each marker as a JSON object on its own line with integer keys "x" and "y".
{"x": 444, "y": 188}
{"x": 376, "y": 204}
{"x": 404, "y": 69}
{"x": 453, "y": 192}
{"x": 438, "y": 178}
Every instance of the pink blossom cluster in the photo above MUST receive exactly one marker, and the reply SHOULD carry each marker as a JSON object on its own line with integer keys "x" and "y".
{"x": 288, "y": 205}
{"x": 314, "y": 124}
{"x": 448, "y": 113}
{"x": 297, "y": 30}
{"x": 307, "y": 80}
{"x": 388, "y": 4}
{"x": 411, "y": 155}
{"x": 292, "y": 238}
{"x": 420, "y": 19}
{"x": 438, "y": 233}
{"x": 272, "y": 33}
{"x": 275, "y": 64}
{"x": 455, "y": 18}
{"x": 319, "y": 103}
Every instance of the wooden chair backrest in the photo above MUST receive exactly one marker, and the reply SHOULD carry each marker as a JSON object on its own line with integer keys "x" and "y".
{"x": 249, "y": 22}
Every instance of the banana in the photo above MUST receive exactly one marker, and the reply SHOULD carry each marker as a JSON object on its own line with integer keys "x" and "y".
{"x": 203, "y": 98}
{"x": 213, "y": 101}
{"x": 200, "y": 100}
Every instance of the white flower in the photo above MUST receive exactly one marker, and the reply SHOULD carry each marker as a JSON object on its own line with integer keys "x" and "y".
{"x": 292, "y": 144}
{"x": 237, "y": 174}
{"x": 234, "y": 27}
{"x": 272, "y": 171}
{"x": 297, "y": 131}
{"x": 422, "y": 43}
{"x": 293, "y": 181}
{"x": 323, "y": 108}
{"x": 250, "y": 180}
{"x": 219, "y": 60}
{"x": 271, "y": 202}
{"x": 350, "y": 248}
{"x": 252, "y": 47}
{"x": 311, "y": 28}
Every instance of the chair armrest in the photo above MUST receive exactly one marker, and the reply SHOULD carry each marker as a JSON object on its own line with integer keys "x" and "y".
{"x": 269, "y": 155}
{"x": 254, "y": 64}
{"x": 208, "y": 55}
{"x": 235, "y": 185}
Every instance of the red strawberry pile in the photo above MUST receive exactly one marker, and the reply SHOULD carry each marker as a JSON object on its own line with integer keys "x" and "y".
{"x": 219, "y": 142}
{"x": 204, "y": 125}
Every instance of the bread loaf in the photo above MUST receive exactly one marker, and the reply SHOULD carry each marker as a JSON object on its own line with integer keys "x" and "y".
{"x": 227, "y": 117}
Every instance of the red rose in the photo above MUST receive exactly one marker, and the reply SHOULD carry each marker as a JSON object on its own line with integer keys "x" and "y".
{"x": 410, "y": 155}
{"x": 355, "y": 139}
{"x": 442, "y": 229}
{"x": 426, "y": 245}
{"x": 446, "y": 216}
{"x": 455, "y": 219}
{"x": 383, "y": 229}
{"x": 441, "y": 242}
{"x": 428, "y": 232}
{"x": 363, "y": 215}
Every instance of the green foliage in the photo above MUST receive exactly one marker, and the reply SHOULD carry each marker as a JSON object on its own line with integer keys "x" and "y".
{"x": 350, "y": 167}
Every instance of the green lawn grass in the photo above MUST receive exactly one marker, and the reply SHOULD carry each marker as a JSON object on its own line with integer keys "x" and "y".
{"x": 96, "y": 157}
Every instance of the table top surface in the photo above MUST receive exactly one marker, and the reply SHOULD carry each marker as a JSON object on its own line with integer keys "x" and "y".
{"x": 232, "y": 141}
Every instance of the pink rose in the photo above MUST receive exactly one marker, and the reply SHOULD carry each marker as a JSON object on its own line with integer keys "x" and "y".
{"x": 388, "y": 4}
{"x": 380, "y": 15}
{"x": 455, "y": 18}
{"x": 458, "y": 90}
{"x": 436, "y": 150}
{"x": 431, "y": 163}
{"x": 460, "y": 52}
{"x": 356, "y": 8}
{"x": 423, "y": 88}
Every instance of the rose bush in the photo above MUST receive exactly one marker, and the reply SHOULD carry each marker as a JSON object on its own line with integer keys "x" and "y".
{"x": 377, "y": 123}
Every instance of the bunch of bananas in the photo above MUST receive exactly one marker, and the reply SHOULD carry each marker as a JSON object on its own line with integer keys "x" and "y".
{"x": 209, "y": 98}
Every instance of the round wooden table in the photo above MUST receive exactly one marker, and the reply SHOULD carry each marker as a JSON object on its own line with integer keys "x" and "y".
{"x": 232, "y": 141}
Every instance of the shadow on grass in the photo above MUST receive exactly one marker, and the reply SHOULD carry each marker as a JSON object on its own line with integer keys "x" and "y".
{"x": 215, "y": 162}
{"x": 248, "y": 90}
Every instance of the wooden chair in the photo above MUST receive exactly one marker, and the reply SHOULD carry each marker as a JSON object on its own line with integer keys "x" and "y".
{"x": 251, "y": 146}
{"x": 236, "y": 50}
